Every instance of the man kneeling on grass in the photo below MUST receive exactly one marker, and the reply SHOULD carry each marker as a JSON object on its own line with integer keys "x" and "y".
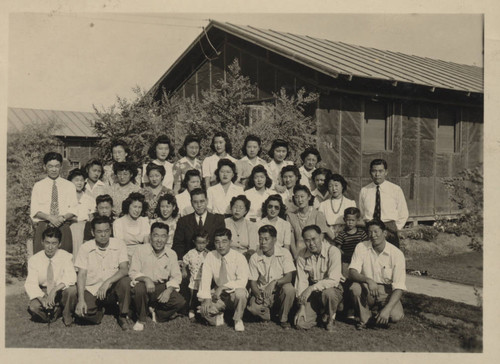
{"x": 318, "y": 286}
{"x": 229, "y": 270}
{"x": 102, "y": 276}
{"x": 378, "y": 271}
{"x": 271, "y": 270}
{"x": 50, "y": 273}
{"x": 156, "y": 278}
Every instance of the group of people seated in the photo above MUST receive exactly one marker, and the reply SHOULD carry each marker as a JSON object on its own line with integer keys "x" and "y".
{"x": 276, "y": 240}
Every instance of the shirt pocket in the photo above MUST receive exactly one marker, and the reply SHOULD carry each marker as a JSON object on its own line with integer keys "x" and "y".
{"x": 387, "y": 275}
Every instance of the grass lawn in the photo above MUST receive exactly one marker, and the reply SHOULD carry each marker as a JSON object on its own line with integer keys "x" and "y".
{"x": 447, "y": 258}
{"x": 430, "y": 325}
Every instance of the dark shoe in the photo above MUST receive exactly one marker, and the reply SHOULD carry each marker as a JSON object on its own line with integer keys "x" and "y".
{"x": 285, "y": 325}
{"x": 125, "y": 323}
{"x": 360, "y": 326}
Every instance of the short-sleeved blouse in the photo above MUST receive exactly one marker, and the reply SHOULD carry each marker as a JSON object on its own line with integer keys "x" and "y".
{"x": 314, "y": 217}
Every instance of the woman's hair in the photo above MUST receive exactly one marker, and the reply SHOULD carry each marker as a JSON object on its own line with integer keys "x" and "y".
{"x": 258, "y": 169}
{"x": 93, "y": 162}
{"x": 126, "y": 166}
{"x": 155, "y": 167}
{"x": 278, "y": 198}
{"x": 135, "y": 196}
{"x": 276, "y": 144}
{"x": 251, "y": 138}
{"x": 77, "y": 172}
{"x": 226, "y": 162}
{"x": 243, "y": 199}
{"x": 162, "y": 139}
{"x": 221, "y": 134}
{"x": 120, "y": 143}
{"x": 171, "y": 200}
{"x": 318, "y": 171}
{"x": 291, "y": 168}
{"x": 306, "y": 189}
{"x": 187, "y": 177}
{"x": 188, "y": 140}
{"x": 310, "y": 150}
{"x": 338, "y": 178}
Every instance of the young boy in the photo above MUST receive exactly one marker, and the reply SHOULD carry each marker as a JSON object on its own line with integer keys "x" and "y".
{"x": 104, "y": 207}
{"x": 193, "y": 260}
{"x": 50, "y": 272}
{"x": 347, "y": 240}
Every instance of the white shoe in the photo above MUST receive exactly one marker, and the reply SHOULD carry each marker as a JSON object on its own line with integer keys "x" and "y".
{"x": 191, "y": 315}
{"x": 238, "y": 326}
{"x": 138, "y": 326}
{"x": 153, "y": 314}
{"x": 219, "y": 319}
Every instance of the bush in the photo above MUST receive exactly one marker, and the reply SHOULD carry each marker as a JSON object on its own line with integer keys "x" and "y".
{"x": 25, "y": 151}
{"x": 466, "y": 191}
{"x": 420, "y": 232}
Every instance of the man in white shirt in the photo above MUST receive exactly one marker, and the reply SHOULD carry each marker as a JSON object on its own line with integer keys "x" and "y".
{"x": 319, "y": 273}
{"x": 53, "y": 203}
{"x": 156, "y": 278}
{"x": 271, "y": 273}
{"x": 229, "y": 271}
{"x": 384, "y": 201}
{"x": 378, "y": 271}
{"x": 50, "y": 273}
{"x": 102, "y": 276}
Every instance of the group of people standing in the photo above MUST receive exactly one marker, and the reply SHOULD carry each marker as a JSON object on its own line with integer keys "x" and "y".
{"x": 202, "y": 238}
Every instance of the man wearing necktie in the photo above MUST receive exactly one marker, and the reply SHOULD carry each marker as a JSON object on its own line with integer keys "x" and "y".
{"x": 384, "y": 201}
{"x": 50, "y": 273}
{"x": 228, "y": 269}
{"x": 53, "y": 203}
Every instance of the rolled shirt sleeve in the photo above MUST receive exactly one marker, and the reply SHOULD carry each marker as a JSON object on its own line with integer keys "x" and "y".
{"x": 334, "y": 271}
{"x": 135, "y": 266}
{"x": 253, "y": 268}
{"x": 399, "y": 272}
{"x": 357, "y": 258}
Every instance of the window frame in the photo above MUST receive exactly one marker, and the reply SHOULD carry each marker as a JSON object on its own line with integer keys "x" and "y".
{"x": 389, "y": 127}
{"x": 457, "y": 130}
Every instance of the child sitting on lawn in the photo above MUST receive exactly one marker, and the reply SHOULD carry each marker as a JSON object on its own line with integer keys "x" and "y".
{"x": 346, "y": 241}
{"x": 193, "y": 260}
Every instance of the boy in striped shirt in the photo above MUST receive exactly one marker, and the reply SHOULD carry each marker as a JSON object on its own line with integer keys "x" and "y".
{"x": 346, "y": 241}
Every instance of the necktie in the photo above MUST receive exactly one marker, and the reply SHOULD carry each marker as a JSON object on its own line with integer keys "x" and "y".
{"x": 377, "y": 212}
{"x": 223, "y": 272}
{"x": 54, "y": 201}
{"x": 200, "y": 223}
{"x": 50, "y": 277}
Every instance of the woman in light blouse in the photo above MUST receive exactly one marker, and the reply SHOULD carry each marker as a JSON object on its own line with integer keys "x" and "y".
{"x": 245, "y": 238}
{"x": 160, "y": 153}
{"x": 220, "y": 195}
{"x": 189, "y": 152}
{"x": 191, "y": 180}
{"x": 167, "y": 212}
{"x": 222, "y": 148}
{"x": 278, "y": 153}
{"x": 155, "y": 188}
{"x": 125, "y": 174}
{"x": 305, "y": 215}
{"x": 321, "y": 191}
{"x": 251, "y": 151}
{"x": 258, "y": 189}
{"x": 334, "y": 207}
{"x": 291, "y": 178}
{"x": 274, "y": 213}
{"x": 310, "y": 159}
{"x": 133, "y": 227}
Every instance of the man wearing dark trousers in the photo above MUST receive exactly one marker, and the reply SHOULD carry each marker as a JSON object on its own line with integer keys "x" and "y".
{"x": 156, "y": 278}
{"x": 102, "y": 276}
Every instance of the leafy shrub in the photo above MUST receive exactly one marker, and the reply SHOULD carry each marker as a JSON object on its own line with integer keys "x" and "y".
{"x": 466, "y": 191}
{"x": 420, "y": 232}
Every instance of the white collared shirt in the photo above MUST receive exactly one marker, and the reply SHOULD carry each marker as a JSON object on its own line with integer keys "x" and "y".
{"x": 62, "y": 266}
{"x": 388, "y": 267}
{"x": 131, "y": 232}
{"x": 100, "y": 264}
{"x": 306, "y": 177}
{"x": 41, "y": 197}
{"x": 244, "y": 167}
{"x": 85, "y": 207}
{"x": 274, "y": 171}
{"x": 98, "y": 189}
{"x": 183, "y": 200}
{"x": 325, "y": 269}
{"x": 162, "y": 269}
{"x": 256, "y": 198}
{"x": 219, "y": 200}
{"x": 203, "y": 217}
{"x": 237, "y": 272}
{"x": 392, "y": 203}
{"x": 265, "y": 269}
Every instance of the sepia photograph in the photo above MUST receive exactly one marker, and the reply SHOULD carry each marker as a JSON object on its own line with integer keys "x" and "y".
{"x": 240, "y": 181}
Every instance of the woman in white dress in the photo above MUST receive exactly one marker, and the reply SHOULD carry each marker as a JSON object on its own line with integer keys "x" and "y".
{"x": 278, "y": 153}
{"x": 251, "y": 151}
{"x": 191, "y": 180}
{"x": 334, "y": 207}
{"x": 274, "y": 213}
{"x": 220, "y": 195}
{"x": 222, "y": 148}
{"x": 245, "y": 238}
{"x": 258, "y": 189}
{"x": 160, "y": 153}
